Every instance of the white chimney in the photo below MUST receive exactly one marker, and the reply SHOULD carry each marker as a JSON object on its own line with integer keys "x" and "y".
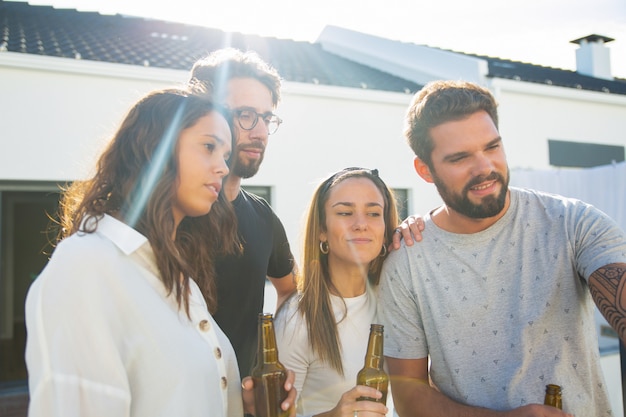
{"x": 592, "y": 57}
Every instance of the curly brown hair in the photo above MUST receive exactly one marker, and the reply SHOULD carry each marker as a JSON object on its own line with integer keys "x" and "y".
{"x": 122, "y": 188}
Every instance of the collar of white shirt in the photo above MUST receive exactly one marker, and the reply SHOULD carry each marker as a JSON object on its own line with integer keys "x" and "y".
{"x": 122, "y": 235}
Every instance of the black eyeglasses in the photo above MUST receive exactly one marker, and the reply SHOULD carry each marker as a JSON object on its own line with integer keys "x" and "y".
{"x": 248, "y": 118}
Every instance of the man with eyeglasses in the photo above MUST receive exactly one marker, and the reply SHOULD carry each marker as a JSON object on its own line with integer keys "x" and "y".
{"x": 251, "y": 89}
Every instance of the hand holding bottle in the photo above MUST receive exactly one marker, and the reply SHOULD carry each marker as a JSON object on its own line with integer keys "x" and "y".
{"x": 272, "y": 384}
{"x": 552, "y": 405}
{"x": 350, "y": 406}
{"x": 289, "y": 404}
{"x": 372, "y": 374}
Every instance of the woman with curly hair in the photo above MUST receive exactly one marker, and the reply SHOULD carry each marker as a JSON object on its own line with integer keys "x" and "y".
{"x": 118, "y": 321}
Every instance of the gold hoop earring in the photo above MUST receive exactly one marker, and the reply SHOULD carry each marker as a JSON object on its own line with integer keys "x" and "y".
{"x": 383, "y": 252}
{"x": 324, "y": 247}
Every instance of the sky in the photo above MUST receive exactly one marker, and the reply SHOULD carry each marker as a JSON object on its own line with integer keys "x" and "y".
{"x": 533, "y": 31}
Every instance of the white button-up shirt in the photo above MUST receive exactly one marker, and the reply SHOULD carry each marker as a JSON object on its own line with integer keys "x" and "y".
{"x": 106, "y": 339}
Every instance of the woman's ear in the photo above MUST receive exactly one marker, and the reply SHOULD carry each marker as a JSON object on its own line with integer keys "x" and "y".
{"x": 422, "y": 170}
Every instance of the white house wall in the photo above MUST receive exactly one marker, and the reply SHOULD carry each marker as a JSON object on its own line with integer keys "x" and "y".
{"x": 531, "y": 114}
{"x": 57, "y": 113}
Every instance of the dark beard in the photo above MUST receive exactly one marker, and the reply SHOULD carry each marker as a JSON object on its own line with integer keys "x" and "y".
{"x": 490, "y": 206}
{"x": 240, "y": 169}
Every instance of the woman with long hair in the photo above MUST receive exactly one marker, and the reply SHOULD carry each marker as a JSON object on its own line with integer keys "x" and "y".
{"x": 118, "y": 321}
{"x": 322, "y": 332}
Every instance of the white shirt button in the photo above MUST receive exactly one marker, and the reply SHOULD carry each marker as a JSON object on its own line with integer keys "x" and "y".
{"x": 204, "y": 325}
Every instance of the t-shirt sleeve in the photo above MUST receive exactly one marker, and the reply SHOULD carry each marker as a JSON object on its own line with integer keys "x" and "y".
{"x": 281, "y": 260}
{"x": 598, "y": 240}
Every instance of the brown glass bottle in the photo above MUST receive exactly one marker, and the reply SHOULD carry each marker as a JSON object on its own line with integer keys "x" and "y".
{"x": 269, "y": 374}
{"x": 373, "y": 375}
{"x": 553, "y": 396}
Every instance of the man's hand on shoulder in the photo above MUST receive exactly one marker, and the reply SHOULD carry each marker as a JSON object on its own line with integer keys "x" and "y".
{"x": 410, "y": 230}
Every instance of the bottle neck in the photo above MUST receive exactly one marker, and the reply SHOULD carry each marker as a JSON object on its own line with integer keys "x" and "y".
{"x": 552, "y": 389}
{"x": 267, "y": 351}
{"x": 553, "y": 396}
{"x": 374, "y": 355}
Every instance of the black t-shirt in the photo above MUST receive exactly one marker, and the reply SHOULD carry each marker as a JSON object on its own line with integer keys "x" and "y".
{"x": 241, "y": 278}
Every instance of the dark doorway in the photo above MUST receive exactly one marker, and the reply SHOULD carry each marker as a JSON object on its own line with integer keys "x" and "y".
{"x": 26, "y": 242}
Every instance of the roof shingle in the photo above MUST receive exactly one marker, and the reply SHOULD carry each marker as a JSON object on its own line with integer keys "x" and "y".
{"x": 44, "y": 30}
{"x": 67, "y": 33}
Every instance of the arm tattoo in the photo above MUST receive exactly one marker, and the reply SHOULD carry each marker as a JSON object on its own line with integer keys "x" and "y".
{"x": 608, "y": 289}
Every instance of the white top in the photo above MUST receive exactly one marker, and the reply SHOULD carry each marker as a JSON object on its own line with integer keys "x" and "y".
{"x": 319, "y": 386}
{"x": 106, "y": 339}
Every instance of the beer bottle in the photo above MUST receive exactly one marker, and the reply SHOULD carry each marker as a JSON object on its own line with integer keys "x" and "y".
{"x": 269, "y": 374}
{"x": 373, "y": 374}
{"x": 553, "y": 396}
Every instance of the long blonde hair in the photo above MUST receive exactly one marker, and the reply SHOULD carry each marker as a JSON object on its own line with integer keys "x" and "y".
{"x": 314, "y": 283}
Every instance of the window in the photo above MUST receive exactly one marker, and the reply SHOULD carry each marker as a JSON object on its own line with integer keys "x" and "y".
{"x": 583, "y": 155}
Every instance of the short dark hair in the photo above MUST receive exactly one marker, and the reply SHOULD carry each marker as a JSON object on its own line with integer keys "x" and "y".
{"x": 209, "y": 74}
{"x": 439, "y": 102}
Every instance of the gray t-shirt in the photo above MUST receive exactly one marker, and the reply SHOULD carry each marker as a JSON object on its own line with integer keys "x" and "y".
{"x": 505, "y": 311}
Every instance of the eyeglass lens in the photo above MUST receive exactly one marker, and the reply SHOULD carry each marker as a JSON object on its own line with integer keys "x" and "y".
{"x": 249, "y": 118}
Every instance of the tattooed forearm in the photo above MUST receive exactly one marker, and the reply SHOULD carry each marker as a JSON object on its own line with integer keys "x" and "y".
{"x": 608, "y": 289}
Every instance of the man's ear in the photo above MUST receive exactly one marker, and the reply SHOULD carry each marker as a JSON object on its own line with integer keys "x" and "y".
{"x": 422, "y": 170}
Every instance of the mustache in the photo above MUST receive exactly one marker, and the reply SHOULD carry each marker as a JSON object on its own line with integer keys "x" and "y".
{"x": 494, "y": 176}
{"x": 259, "y": 146}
